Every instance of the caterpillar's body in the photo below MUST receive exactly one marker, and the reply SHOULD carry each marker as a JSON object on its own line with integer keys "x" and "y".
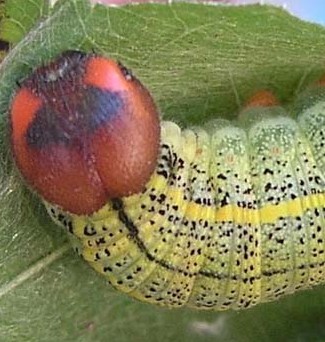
{"x": 233, "y": 215}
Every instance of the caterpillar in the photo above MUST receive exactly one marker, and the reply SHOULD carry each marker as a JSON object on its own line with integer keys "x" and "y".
{"x": 223, "y": 216}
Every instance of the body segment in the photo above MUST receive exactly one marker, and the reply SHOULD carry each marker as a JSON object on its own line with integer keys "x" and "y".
{"x": 232, "y": 216}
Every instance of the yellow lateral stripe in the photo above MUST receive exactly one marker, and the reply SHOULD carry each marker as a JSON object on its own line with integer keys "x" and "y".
{"x": 268, "y": 214}
{"x": 296, "y": 207}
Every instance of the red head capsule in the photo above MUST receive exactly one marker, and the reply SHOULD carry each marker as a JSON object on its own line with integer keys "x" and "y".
{"x": 84, "y": 130}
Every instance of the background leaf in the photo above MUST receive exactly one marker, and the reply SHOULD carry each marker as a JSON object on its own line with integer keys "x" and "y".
{"x": 19, "y": 18}
{"x": 199, "y": 61}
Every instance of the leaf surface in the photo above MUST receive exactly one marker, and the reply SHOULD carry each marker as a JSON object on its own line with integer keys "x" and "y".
{"x": 199, "y": 62}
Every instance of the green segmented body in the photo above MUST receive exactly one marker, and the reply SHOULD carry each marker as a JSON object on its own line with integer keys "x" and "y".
{"x": 232, "y": 216}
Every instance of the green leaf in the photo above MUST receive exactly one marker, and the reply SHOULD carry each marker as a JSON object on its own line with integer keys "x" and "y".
{"x": 199, "y": 61}
{"x": 20, "y": 16}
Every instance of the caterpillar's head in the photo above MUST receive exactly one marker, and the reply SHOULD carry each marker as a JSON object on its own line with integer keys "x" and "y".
{"x": 84, "y": 130}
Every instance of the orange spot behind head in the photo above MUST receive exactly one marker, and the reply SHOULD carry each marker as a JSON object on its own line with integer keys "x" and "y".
{"x": 262, "y": 98}
{"x": 321, "y": 82}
